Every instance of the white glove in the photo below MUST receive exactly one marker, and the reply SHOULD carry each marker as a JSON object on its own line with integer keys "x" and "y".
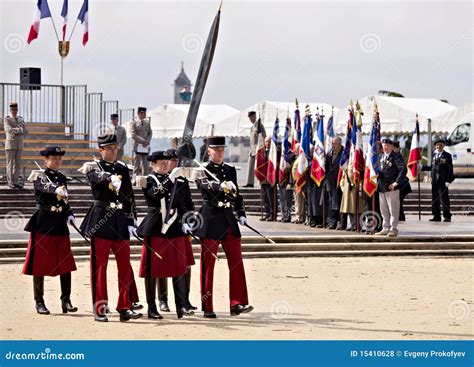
{"x": 116, "y": 182}
{"x": 71, "y": 219}
{"x": 132, "y": 231}
{"x": 242, "y": 221}
{"x": 223, "y": 186}
{"x": 231, "y": 186}
{"x": 448, "y": 183}
{"x": 61, "y": 191}
{"x": 186, "y": 228}
{"x": 135, "y": 222}
{"x": 175, "y": 173}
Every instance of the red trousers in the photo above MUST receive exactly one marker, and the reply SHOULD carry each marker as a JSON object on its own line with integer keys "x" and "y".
{"x": 100, "y": 249}
{"x": 48, "y": 255}
{"x": 237, "y": 284}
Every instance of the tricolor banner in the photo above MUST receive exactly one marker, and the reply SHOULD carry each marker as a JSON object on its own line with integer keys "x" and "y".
{"x": 285, "y": 151}
{"x": 318, "y": 163}
{"x": 42, "y": 11}
{"x": 372, "y": 168}
{"x": 84, "y": 18}
{"x": 303, "y": 155}
{"x": 346, "y": 152}
{"x": 415, "y": 153}
{"x": 273, "y": 155}
{"x": 357, "y": 148}
{"x": 64, "y": 15}
{"x": 296, "y": 132}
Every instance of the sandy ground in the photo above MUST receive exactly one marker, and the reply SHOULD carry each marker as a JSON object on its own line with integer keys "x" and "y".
{"x": 300, "y": 298}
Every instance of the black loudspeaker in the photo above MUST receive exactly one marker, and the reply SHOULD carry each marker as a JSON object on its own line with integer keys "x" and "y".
{"x": 30, "y": 76}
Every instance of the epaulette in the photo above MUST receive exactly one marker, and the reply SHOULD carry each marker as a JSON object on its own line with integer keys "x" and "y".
{"x": 141, "y": 181}
{"x": 35, "y": 174}
{"x": 89, "y": 166}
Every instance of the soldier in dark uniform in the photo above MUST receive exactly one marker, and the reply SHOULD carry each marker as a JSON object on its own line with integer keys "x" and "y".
{"x": 442, "y": 176}
{"x": 49, "y": 248}
{"x": 109, "y": 223}
{"x": 220, "y": 226}
{"x": 167, "y": 239}
{"x": 332, "y": 185}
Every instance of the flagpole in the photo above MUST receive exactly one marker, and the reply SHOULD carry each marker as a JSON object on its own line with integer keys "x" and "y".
{"x": 73, "y": 28}
{"x": 419, "y": 195}
{"x": 54, "y": 27}
{"x": 373, "y": 229}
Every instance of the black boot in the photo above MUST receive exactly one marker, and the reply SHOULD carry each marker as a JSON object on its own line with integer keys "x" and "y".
{"x": 163, "y": 294}
{"x": 189, "y": 306}
{"x": 66, "y": 304}
{"x": 179, "y": 287}
{"x": 150, "y": 286}
{"x": 38, "y": 290}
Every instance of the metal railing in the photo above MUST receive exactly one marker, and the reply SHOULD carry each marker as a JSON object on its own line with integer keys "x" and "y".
{"x": 41, "y": 103}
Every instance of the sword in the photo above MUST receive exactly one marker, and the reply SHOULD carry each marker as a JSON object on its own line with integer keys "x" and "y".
{"x": 202, "y": 244}
{"x": 141, "y": 242}
{"x": 214, "y": 177}
{"x": 79, "y": 231}
{"x": 260, "y": 234}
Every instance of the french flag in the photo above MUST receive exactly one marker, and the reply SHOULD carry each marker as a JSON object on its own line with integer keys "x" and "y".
{"x": 357, "y": 149}
{"x": 41, "y": 12}
{"x": 372, "y": 168}
{"x": 296, "y": 133}
{"x": 317, "y": 166}
{"x": 273, "y": 155}
{"x": 415, "y": 153}
{"x": 84, "y": 18}
{"x": 64, "y": 15}
{"x": 303, "y": 154}
{"x": 346, "y": 152}
{"x": 285, "y": 151}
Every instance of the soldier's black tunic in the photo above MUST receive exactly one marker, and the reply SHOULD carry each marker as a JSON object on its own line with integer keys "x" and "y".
{"x": 218, "y": 206}
{"x": 102, "y": 220}
{"x": 44, "y": 220}
{"x": 154, "y": 193}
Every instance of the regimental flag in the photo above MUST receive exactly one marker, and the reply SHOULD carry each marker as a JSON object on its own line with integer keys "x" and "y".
{"x": 42, "y": 11}
{"x": 285, "y": 151}
{"x": 273, "y": 165}
{"x": 64, "y": 15}
{"x": 415, "y": 153}
{"x": 372, "y": 168}
{"x": 296, "y": 131}
{"x": 357, "y": 148}
{"x": 346, "y": 152}
{"x": 303, "y": 154}
{"x": 84, "y": 18}
{"x": 261, "y": 162}
{"x": 318, "y": 163}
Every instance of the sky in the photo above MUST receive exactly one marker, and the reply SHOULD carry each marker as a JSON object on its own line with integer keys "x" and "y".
{"x": 317, "y": 51}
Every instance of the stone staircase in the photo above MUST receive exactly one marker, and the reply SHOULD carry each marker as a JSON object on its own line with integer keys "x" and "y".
{"x": 77, "y": 146}
{"x": 22, "y": 201}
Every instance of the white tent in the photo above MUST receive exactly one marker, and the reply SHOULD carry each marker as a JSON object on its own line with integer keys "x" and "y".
{"x": 168, "y": 120}
{"x": 447, "y": 121}
{"x": 397, "y": 115}
{"x": 239, "y": 123}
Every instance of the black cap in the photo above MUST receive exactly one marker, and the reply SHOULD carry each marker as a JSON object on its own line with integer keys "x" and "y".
{"x": 159, "y": 155}
{"x": 216, "y": 141}
{"x": 47, "y": 151}
{"x": 141, "y": 109}
{"x": 172, "y": 153}
{"x": 107, "y": 139}
{"x": 114, "y": 116}
{"x": 396, "y": 144}
{"x": 252, "y": 113}
{"x": 440, "y": 140}
{"x": 387, "y": 141}
{"x": 13, "y": 104}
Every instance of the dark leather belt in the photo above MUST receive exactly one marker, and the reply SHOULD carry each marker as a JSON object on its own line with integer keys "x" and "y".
{"x": 108, "y": 206}
{"x": 218, "y": 203}
{"x": 51, "y": 208}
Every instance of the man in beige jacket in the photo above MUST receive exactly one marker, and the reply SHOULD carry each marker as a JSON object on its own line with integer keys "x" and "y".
{"x": 15, "y": 131}
{"x": 141, "y": 135}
